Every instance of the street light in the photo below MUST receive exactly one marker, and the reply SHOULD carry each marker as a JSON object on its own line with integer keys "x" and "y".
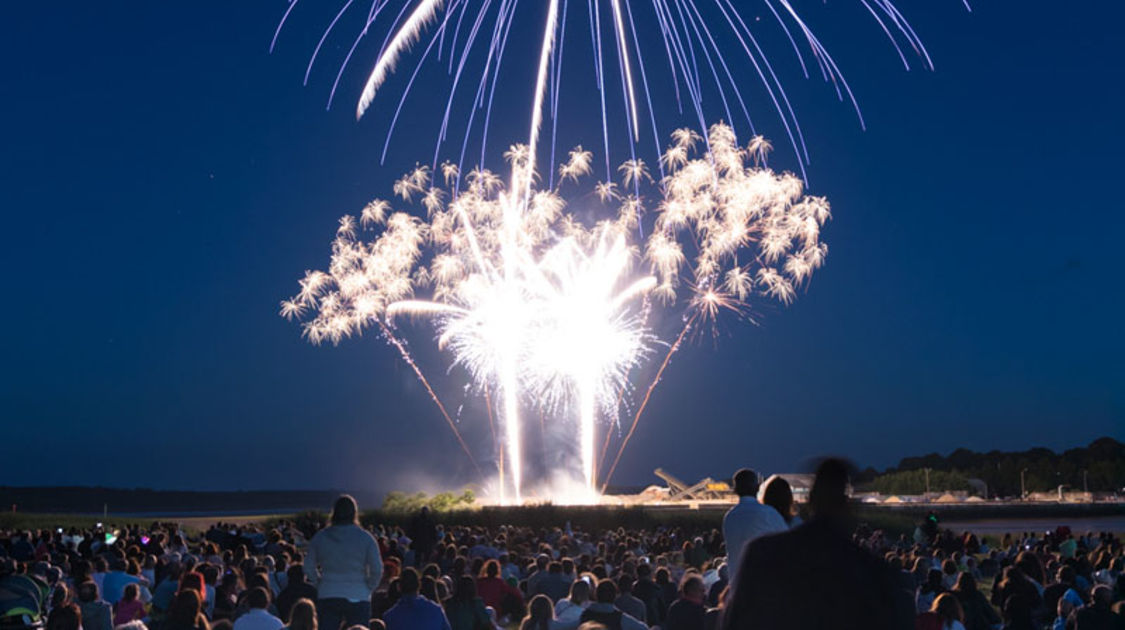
{"x": 1023, "y": 487}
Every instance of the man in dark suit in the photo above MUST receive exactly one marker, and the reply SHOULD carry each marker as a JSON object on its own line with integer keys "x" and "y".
{"x": 814, "y": 576}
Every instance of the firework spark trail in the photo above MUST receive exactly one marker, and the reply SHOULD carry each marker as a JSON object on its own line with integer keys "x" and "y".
{"x": 541, "y": 87}
{"x": 407, "y": 35}
{"x": 648, "y": 395}
{"x": 390, "y": 336}
{"x": 692, "y": 51}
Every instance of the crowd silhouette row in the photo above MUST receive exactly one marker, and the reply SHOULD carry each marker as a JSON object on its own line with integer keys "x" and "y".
{"x": 767, "y": 568}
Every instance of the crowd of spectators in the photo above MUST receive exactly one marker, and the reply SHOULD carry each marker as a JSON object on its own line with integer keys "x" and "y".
{"x": 780, "y": 573}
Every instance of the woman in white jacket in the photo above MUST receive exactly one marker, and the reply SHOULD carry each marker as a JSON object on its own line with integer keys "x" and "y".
{"x": 344, "y": 564}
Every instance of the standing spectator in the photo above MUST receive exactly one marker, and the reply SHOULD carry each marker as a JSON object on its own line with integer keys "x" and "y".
{"x": 748, "y": 520}
{"x": 412, "y": 611}
{"x": 423, "y": 536}
{"x": 814, "y": 576}
{"x": 777, "y": 494}
{"x": 258, "y": 617}
{"x": 344, "y": 565}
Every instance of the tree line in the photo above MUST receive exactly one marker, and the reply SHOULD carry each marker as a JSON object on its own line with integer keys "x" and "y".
{"x": 1098, "y": 467}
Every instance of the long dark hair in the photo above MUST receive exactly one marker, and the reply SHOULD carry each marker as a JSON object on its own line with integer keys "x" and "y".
{"x": 490, "y": 569}
{"x": 345, "y": 511}
{"x": 302, "y": 616}
{"x": 184, "y": 611}
{"x": 966, "y": 583}
{"x": 465, "y": 590}
{"x": 777, "y": 494}
{"x": 948, "y": 608}
{"x": 540, "y": 612}
{"x": 65, "y": 617}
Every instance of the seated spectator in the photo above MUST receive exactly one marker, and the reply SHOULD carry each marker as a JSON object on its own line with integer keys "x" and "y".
{"x": 928, "y": 592}
{"x": 129, "y": 607}
{"x": 541, "y": 616}
{"x": 493, "y": 589}
{"x": 96, "y": 613}
{"x": 257, "y": 617}
{"x": 113, "y": 583}
{"x": 186, "y": 612}
{"x": 1062, "y": 588}
{"x": 605, "y": 612}
{"x": 569, "y": 610}
{"x": 688, "y": 611}
{"x": 626, "y": 602}
{"x": 978, "y": 612}
{"x": 648, "y": 592}
{"x": 555, "y": 584}
{"x": 947, "y": 610}
{"x": 302, "y": 615}
{"x": 1097, "y": 615}
{"x": 464, "y": 610}
{"x": 1064, "y": 610}
{"x": 64, "y": 617}
{"x": 412, "y": 611}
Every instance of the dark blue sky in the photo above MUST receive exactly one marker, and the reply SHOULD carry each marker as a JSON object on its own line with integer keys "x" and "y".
{"x": 166, "y": 181}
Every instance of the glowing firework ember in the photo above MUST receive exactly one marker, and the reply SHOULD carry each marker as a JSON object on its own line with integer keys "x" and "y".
{"x": 552, "y": 313}
{"x": 687, "y": 43}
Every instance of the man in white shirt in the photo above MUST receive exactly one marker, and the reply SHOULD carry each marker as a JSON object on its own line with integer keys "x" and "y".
{"x": 747, "y": 520}
{"x": 258, "y": 618}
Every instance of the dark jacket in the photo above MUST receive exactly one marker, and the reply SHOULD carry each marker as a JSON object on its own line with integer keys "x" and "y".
{"x": 649, "y": 592}
{"x": 685, "y": 615}
{"x": 815, "y": 577}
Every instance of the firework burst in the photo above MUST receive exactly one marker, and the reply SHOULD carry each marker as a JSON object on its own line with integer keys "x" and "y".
{"x": 554, "y": 314}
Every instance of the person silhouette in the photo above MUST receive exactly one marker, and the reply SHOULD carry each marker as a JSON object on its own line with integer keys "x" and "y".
{"x": 814, "y": 576}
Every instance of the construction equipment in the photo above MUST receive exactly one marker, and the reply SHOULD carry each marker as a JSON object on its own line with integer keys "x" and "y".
{"x": 706, "y": 489}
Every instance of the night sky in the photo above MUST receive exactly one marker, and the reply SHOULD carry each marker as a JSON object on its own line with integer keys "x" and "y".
{"x": 166, "y": 181}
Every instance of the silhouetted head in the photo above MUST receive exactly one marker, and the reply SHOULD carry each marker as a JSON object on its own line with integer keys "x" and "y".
{"x": 258, "y": 598}
{"x": 829, "y": 494}
{"x": 777, "y": 494}
{"x": 745, "y": 483}
{"x": 345, "y": 511}
{"x": 409, "y": 581}
{"x": 606, "y": 591}
{"x": 1101, "y": 596}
